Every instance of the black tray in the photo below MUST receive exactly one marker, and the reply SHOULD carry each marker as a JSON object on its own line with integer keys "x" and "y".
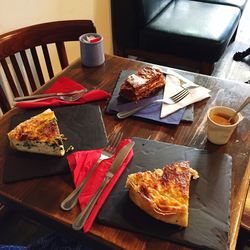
{"x": 209, "y": 207}
{"x": 83, "y": 127}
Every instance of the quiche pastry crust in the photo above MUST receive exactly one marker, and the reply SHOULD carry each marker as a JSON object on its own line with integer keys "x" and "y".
{"x": 164, "y": 193}
{"x": 39, "y": 134}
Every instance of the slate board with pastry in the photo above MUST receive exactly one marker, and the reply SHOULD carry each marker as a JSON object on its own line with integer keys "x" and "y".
{"x": 209, "y": 199}
{"x": 83, "y": 128}
{"x": 152, "y": 112}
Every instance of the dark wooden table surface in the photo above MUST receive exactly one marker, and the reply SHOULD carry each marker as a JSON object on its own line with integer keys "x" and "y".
{"x": 40, "y": 198}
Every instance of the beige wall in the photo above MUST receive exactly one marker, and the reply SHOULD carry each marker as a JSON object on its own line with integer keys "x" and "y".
{"x": 19, "y": 13}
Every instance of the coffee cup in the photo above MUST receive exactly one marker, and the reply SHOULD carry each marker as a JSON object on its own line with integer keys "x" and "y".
{"x": 91, "y": 48}
{"x": 219, "y": 128}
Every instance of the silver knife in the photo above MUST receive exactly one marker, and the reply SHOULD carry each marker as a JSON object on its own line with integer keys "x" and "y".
{"x": 32, "y": 97}
{"x": 83, "y": 216}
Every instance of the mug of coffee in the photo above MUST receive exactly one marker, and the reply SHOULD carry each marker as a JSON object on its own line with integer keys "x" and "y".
{"x": 92, "y": 51}
{"x": 219, "y": 126}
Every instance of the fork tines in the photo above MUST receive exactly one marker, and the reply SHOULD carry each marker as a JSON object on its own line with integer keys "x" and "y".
{"x": 180, "y": 95}
{"x": 114, "y": 140}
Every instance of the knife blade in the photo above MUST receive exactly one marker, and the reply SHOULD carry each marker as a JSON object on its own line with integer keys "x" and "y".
{"x": 119, "y": 159}
{"x": 32, "y": 97}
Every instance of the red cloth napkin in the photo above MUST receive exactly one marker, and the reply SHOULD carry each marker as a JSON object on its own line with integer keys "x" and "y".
{"x": 80, "y": 163}
{"x": 64, "y": 84}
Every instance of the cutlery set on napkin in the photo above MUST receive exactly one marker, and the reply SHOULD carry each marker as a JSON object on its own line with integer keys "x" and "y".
{"x": 175, "y": 83}
{"x": 59, "y": 93}
{"x": 100, "y": 182}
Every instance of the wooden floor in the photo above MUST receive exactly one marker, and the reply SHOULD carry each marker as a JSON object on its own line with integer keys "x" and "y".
{"x": 16, "y": 229}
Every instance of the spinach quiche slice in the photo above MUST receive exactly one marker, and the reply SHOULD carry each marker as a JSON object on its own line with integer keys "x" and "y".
{"x": 39, "y": 134}
{"x": 163, "y": 193}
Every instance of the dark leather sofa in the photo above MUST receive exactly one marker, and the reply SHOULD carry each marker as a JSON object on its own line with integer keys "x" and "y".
{"x": 189, "y": 34}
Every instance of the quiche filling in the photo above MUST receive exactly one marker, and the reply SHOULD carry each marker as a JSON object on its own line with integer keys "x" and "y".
{"x": 164, "y": 193}
{"x": 39, "y": 134}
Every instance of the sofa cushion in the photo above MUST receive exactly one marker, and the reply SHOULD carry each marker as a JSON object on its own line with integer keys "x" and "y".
{"x": 190, "y": 28}
{"x": 149, "y": 9}
{"x": 237, "y": 3}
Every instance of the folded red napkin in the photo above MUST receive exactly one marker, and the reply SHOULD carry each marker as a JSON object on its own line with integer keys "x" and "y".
{"x": 64, "y": 84}
{"x": 80, "y": 163}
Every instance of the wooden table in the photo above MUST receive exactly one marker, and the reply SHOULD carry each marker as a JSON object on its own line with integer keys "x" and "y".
{"x": 40, "y": 198}
{"x": 245, "y": 222}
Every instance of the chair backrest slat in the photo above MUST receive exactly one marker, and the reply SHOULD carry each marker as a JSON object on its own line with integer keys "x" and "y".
{"x": 4, "y": 104}
{"x": 48, "y": 61}
{"x": 9, "y": 78}
{"x": 29, "y": 38}
{"x": 28, "y": 70}
{"x": 61, "y": 51}
{"x": 37, "y": 65}
{"x": 19, "y": 74}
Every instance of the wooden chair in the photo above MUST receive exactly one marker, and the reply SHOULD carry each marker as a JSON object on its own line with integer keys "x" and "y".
{"x": 25, "y": 42}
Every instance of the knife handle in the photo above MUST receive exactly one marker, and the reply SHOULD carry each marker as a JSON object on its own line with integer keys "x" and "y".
{"x": 32, "y": 97}
{"x": 70, "y": 201}
{"x": 84, "y": 215}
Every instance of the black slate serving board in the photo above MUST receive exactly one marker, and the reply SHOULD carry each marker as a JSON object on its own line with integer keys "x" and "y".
{"x": 209, "y": 207}
{"x": 83, "y": 127}
{"x": 188, "y": 114}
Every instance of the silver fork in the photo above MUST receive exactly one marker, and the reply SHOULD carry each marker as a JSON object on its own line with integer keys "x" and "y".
{"x": 171, "y": 100}
{"x": 108, "y": 151}
{"x": 69, "y": 98}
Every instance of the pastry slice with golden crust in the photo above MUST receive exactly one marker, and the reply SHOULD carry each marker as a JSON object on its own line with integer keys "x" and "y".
{"x": 142, "y": 84}
{"x": 39, "y": 134}
{"x": 164, "y": 193}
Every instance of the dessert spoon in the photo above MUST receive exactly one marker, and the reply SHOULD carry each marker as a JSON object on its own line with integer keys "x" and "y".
{"x": 244, "y": 104}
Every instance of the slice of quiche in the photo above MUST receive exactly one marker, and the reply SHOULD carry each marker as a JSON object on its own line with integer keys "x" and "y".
{"x": 39, "y": 134}
{"x": 164, "y": 193}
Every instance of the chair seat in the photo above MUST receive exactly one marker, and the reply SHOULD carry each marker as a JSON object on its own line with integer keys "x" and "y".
{"x": 191, "y": 28}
